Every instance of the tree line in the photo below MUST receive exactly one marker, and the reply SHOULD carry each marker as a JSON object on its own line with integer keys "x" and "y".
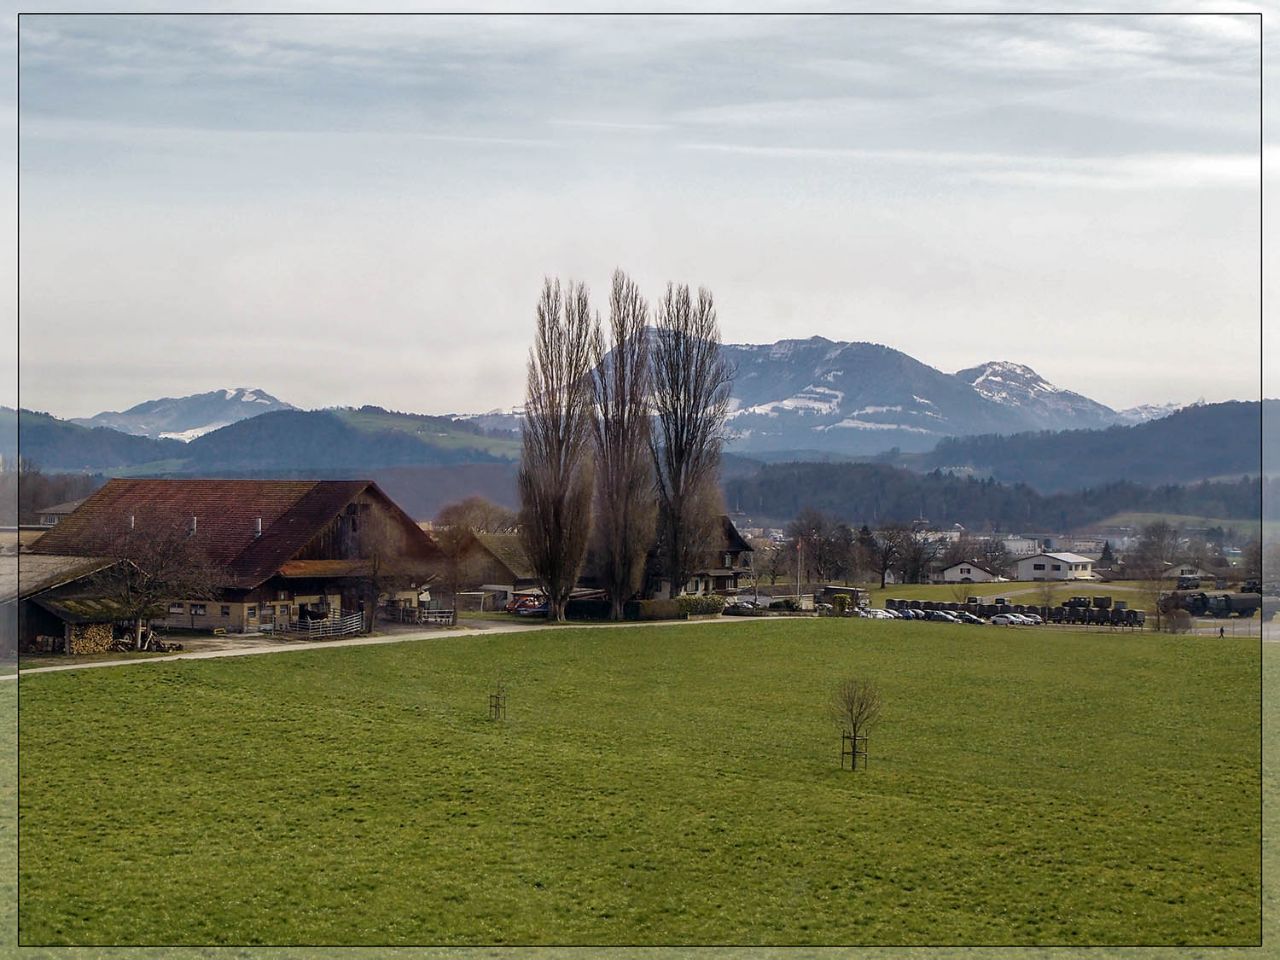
{"x": 622, "y": 438}
{"x": 880, "y": 494}
{"x": 822, "y": 548}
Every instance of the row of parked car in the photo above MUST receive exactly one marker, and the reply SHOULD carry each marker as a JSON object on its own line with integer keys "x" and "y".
{"x": 954, "y": 616}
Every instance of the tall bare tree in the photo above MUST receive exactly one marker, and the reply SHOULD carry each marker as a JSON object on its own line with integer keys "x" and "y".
{"x": 691, "y": 383}
{"x": 555, "y": 478}
{"x": 624, "y": 507}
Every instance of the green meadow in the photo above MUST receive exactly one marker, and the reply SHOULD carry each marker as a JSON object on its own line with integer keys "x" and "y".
{"x": 651, "y": 785}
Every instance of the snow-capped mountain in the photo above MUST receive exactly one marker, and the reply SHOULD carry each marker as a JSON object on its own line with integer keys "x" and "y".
{"x": 1153, "y": 411}
{"x": 1015, "y": 385}
{"x": 862, "y": 398}
{"x": 185, "y": 418}
{"x": 826, "y": 396}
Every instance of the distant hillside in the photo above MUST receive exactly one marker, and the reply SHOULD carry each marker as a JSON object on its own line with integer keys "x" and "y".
{"x": 185, "y": 418}
{"x": 876, "y": 493}
{"x": 364, "y": 439}
{"x": 1196, "y": 443}
{"x": 54, "y": 444}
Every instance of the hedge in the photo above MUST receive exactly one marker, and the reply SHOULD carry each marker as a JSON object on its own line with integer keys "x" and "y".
{"x": 700, "y": 606}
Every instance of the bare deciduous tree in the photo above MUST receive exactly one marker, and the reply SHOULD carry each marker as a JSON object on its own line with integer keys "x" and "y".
{"x": 624, "y": 507}
{"x": 885, "y": 549}
{"x": 555, "y": 479}
{"x": 453, "y": 531}
{"x": 855, "y": 705}
{"x": 162, "y": 565}
{"x": 691, "y": 383}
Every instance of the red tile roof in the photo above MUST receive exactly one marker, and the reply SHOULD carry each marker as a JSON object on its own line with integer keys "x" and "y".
{"x": 293, "y": 512}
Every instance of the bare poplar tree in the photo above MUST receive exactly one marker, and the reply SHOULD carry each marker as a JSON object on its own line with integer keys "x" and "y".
{"x": 555, "y": 478}
{"x": 624, "y": 508}
{"x": 691, "y": 383}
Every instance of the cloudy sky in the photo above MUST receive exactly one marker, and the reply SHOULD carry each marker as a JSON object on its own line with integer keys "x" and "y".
{"x": 361, "y": 210}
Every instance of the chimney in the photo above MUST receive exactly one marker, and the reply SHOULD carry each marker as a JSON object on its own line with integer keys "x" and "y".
{"x": 257, "y": 527}
{"x": 193, "y": 526}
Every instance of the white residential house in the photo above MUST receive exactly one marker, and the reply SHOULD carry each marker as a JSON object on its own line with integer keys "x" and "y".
{"x": 1188, "y": 570}
{"x": 1021, "y": 546}
{"x": 968, "y": 571}
{"x": 1055, "y": 566}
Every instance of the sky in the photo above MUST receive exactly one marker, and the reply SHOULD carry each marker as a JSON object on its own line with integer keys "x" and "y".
{"x": 349, "y": 210}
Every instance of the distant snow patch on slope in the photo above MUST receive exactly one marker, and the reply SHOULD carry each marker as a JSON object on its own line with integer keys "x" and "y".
{"x": 811, "y": 400}
{"x": 186, "y": 436}
{"x": 852, "y": 423}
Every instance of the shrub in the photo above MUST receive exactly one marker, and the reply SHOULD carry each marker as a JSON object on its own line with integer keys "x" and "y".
{"x": 657, "y": 610}
{"x": 789, "y": 603}
{"x": 587, "y": 610}
{"x": 700, "y": 606}
{"x": 840, "y": 603}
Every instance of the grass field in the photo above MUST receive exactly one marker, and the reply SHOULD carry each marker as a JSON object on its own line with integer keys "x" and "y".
{"x": 651, "y": 785}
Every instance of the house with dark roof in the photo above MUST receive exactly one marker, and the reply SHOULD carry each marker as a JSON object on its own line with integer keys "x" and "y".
{"x": 725, "y": 566}
{"x": 52, "y": 516}
{"x": 279, "y": 549}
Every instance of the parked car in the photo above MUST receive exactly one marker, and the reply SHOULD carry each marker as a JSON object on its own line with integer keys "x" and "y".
{"x": 537, "y": 610}
{"x": 1007, "y": 620}
{"x": 516, "y": 604}
{"x": 964, "y": 616}
{"x": 941, "y": 616}
{"x": 1033, "y": 619}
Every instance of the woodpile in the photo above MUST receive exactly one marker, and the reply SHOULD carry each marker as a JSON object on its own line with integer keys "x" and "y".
{"x": 90, "y": 638}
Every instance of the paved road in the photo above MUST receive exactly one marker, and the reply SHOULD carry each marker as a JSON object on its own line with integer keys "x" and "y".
{"x": 253, "y": 648}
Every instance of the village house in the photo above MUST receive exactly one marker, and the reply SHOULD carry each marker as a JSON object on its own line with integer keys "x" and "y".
{"x": 724, "y": 568}
{"x": 490, "y": 569}
{"x": 1055, "y": 566}
{"x": 51, "y": 516}
{"x": 279, "y": 550}
{"x": 968, "y": 571}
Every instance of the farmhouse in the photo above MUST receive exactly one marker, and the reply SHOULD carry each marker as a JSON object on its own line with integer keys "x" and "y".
{"x": 278, "y": 549}
{"x": 725, "y": 564}
{"x": 968, "y": 571}
{"x": 1055, "y": 566}
{"x": 490, "y": 567}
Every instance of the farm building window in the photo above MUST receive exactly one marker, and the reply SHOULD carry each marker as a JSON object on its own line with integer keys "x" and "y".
{"x": 197, "y": 609}
{"x": 965, "y": 570}
{"x": 1057, "y": 566}
{"x": 177, "y": 608}
{"x": 226, "y": 610}
{"x": 1037, "y": 566}
{"x": 251, "y": 611}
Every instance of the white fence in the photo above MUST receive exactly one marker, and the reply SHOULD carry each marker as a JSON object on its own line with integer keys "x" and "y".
{"x": 333, "y": 627}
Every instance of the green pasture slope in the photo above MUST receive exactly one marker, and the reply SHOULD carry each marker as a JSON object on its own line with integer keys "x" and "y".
{"x": 651, "y": 785}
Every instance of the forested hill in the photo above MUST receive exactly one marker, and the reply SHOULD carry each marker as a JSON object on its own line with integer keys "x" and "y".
{"x": 876, "y": 493}
{"x": 1196, "y": 443}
